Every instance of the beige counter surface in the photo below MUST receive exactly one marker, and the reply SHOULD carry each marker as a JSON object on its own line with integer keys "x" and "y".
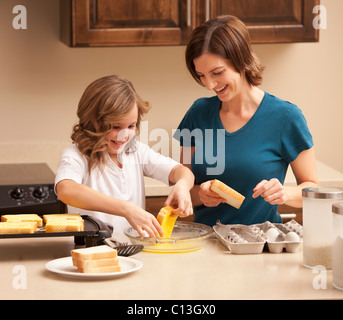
{"x": 209, "y": 273}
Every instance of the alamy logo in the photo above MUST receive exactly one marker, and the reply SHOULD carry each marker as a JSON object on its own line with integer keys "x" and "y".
{"x": 20, "y": 20}
{"x": 20, "y": 280}
{"x": 210, "y": 146}
{"x": 320, "y": 20}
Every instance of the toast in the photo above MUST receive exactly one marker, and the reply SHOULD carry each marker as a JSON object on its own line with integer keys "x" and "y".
{"x": 167, "y": 220}
{"x": 23, "y": 218}
{"x": 231, "y": 196}
{"x": 71, "y": 222}
{"x": 101, "y": 259}
{"x": 17, "y": 227}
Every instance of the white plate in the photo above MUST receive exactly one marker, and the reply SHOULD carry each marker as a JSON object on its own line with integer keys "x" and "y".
{"x": 64, "y": 267}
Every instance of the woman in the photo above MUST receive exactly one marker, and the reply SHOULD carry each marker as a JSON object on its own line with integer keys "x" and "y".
{"x": 255, "y": 135}
{"x": 102, "y": 173}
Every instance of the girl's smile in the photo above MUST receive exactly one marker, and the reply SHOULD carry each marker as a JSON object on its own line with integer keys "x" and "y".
{"x": 122, "y": 132}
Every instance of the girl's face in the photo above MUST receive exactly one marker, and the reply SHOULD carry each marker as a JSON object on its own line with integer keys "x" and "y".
{"x": 217, "y": 73}
{"x": 121, "y": 133}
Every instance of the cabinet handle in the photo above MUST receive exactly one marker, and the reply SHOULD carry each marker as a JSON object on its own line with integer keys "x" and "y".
{"x": 208, "y": 10}
{"x": 189, "y": 13}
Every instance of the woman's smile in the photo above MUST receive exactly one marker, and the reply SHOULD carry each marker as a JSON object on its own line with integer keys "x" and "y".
{"x": 221, "y": 90}
{"x": 219, "y": 75}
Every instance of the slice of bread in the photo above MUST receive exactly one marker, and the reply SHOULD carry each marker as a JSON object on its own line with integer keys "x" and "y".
{"x": 96, "y": 263}
{"x": 23, "y": 218}
{"x": 94, "y": 253}
{"x": 101, "y": 259}
{"x": 63, "y": 216}
{"x": 58, "y": 225}
{"x": 67, "y": 222}
{"x": 17, "y": 227}
{"x": 231, "y": 196}
{"x": 108, "y": 269}
{"x": 167, "y": 220}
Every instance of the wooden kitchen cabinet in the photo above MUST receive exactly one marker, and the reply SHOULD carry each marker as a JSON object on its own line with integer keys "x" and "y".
{"x": 272, "y": 21}
{"x": 126, "y": 22}
{"x": 170, "y": 22}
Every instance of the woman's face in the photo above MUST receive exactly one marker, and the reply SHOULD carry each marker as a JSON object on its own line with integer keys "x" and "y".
{"x": 218, "y": 74}
{"x": 121, "y": 133}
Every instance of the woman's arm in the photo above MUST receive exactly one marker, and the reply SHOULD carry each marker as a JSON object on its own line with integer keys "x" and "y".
{"x": 83, "y": 197}
{"x": 304, "y": 169}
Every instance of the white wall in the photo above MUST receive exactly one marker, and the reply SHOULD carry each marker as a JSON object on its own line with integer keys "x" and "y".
{"x": 42, "y": 80}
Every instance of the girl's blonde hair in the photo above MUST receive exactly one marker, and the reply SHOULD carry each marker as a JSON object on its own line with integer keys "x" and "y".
{"x": 104, "y": 102}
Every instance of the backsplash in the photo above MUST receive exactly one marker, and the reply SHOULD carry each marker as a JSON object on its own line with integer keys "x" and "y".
{"x": 31, "y": 152}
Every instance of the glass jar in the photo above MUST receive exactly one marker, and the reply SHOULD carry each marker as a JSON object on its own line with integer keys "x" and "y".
{"x": 337, "y": 252}
{"x": 318, "y": 225}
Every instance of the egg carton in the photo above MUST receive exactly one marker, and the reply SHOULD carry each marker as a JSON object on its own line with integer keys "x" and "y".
{"x": 253, "y": 239}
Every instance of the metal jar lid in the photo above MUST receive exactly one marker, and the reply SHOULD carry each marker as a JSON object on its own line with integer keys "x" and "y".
{"x": 337, "y": 208}
{"x": 323, "y": 193}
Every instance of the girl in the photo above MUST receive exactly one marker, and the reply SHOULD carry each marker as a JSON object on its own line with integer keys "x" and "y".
{"x": 102, "y": 173}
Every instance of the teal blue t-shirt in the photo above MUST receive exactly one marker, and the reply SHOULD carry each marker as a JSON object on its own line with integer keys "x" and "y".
{"x": 262, "y": 149}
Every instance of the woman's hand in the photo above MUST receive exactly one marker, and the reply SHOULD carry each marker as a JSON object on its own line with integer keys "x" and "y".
{"x": 208, "y": 197}
{"x": 271, "y": 191}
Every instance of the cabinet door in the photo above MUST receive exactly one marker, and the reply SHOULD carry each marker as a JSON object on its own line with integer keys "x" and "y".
{"x": 272, "y": 20}
{"x": 127, "y": 22}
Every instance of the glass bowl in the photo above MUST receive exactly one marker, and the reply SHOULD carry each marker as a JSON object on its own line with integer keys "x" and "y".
{"x": 186, "y": 237}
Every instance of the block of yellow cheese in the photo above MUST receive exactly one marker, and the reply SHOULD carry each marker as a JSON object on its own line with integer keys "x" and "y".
{"x": 23, "y": 218}
{"x": 17, "y": 227}
{"x": 167, "y": 220}
{"x": 231, "y": 196}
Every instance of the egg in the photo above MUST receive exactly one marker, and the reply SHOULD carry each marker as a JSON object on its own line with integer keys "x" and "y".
{"x": 272, "y": 234}
{"x": 292, "y": 237}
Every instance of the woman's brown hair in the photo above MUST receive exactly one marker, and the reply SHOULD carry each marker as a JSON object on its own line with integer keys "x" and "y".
{"x": 228, "y": 37}
{"x": 105, "y": 101}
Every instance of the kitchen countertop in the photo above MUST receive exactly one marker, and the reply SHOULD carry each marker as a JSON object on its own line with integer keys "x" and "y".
{"x": 209, "y": 273}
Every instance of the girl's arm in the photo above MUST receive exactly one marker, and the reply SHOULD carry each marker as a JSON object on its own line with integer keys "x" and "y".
{"x": 200, "y": 194}
{"x": 84, "y": 197}
{"x": 183, "y": 180}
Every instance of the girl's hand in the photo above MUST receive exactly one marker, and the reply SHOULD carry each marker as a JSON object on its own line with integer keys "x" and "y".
{"x": 271, "y": 191}
{"x": 142, "y": 220}
{"x": 181, "y": 195}
{"x": 208, "y": 197}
